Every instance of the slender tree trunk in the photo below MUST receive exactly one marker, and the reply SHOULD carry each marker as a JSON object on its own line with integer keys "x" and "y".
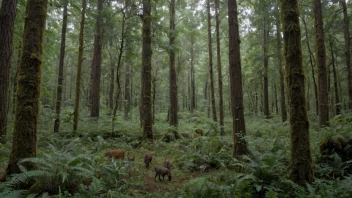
{"x": 79, "y": 67}
{"x": 265, "y": 75}
{"x": 147, "y": 71}
{"x": 96, "y": 65}
{"x": 279, "y": 62}
{"x": 312, "y": 65}
{"x": 301, "y": 157}
{"x": 221, "y": 100}
{"x": 112, "y": 80}
{"x": 193, "y": 86}
{"x": 347, "y": 51}
{"x": 127, "y": 92}
{"x": 238, "y": 122}
{"x": 337, "y": 97}
{"x": 323, "y": 94}
{"x": 7, "y": 20}
{"x": 154, "y": 93}
{"x": 24, "y": 143}
{"x": 61, "y": 68}
{"x": 173, "y": 79}
{"x": 119, "y": 63}
{"x": 210, "y": 48}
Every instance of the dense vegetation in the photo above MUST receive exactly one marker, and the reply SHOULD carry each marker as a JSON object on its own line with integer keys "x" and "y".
{"x": 244, "y": 98}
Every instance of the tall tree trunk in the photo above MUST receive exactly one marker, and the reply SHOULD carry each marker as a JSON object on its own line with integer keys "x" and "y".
{"x": 79, "y": 66}
{"x": 119, "y": 63}
{"x": 147, "y": 71}
{"x": 173, "y": 79}
{"x": 312, "y": 65}
{"x": 221, "y": 100}
{"x": 24, "y": 143}
{"x": 279, "y": 62}
{"x": 61, "y": 68}
{"x": 265, "y": 75}
{"x": 112, "y": 79}
{"x": 323, "y": 94}
{"x": 96, "y": 65}
{"x": 337, "y": 97}
{"x": 301, "y": 157}
{"x": 127, "y": 92}
{"x": 238, "y": 122}
{"x": 210, "y": 48}
{"x": 193, "y": 86}
{"x": 346, "y": 28}
{"x": 7, "y": 20}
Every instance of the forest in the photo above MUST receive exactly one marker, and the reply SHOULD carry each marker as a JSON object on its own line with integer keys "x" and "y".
{"x": 175, "y": 98}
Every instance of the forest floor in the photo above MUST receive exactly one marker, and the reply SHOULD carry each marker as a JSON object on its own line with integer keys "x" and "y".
{"x": 201, "y": 167}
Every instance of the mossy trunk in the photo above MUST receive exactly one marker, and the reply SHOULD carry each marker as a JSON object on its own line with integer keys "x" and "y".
{"x": 346, "y": 28}
{"x": 239, "y": 128}
{"x": 96, "y": 64}
{"x": 173, "y": 78}
{"x": 218, "y": 52}
{"x": 61, "y": 68}
{"x": 301, "y": 157}
{"x": 147, "y": 72}
{"x": 210, "y": 52}
{"x": 24, "y": 143}
{"x": 279, "y": 62}
{"x": 336, "y": 89}
{"x": 323, "y": 93}
{"x": 7, "y": 20}
{"x": 79, "y": 66}
{"x": 265, "y": 74}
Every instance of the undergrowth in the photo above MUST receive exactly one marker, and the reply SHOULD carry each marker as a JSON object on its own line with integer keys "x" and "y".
{"x": 71, "y": 164}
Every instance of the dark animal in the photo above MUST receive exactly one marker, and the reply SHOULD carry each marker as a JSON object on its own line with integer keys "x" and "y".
{"x": 148, "y": 159}
{"x": 162, "y": 171}
{"x": 167, "y": 164}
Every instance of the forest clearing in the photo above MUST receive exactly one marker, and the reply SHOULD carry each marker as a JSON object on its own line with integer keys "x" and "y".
{"x": 177, "y": 98}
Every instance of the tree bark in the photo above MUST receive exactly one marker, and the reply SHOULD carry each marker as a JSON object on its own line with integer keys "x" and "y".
{"x": 96, "y": 65}
{"x": 61, "y": 68}
{"x": 173, "y": 79}
{"x": 279, "y": 62}
{"x": 193, "y": 86}
{"x": 265, "y": 75}
{"x": 128, "y": 91}
{"x": 323, "y": 94}
{"x": 347, "y": 51}
{"x": 119, "y": 63}
{"x": 337, "y": 97}
{"x": 7, "y": 20}
{"x": 112, "y": 79}
{"x": 24, "y": 143}
{"x": 238, "y": 122}
{"x": 147, "y": 71}
{"x": 218, "y": 52}
{"x": 301, "y": 157}
{"x": 210, "y": 49}
{"x": 79, "y": 66}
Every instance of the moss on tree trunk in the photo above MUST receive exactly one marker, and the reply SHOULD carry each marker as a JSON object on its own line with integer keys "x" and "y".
{"x": 239, "y": 128}
{"x": 147, "y": 73}
{"x": 24, "y": 143}
{"x": 7, "y": 20}
{"x": 301, "y": 158}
